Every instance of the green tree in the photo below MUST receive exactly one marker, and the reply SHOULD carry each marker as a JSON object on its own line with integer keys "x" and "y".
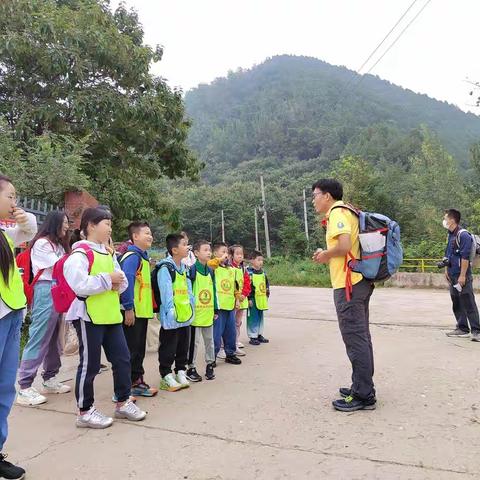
{"x": 293, "y": 238}
{"x": 74, "y": 69}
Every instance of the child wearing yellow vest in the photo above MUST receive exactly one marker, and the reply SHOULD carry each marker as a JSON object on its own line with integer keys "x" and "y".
{"x": 224, "y": 326}
{"x": 202, "y": 278}
{"x": 12, "y": 309}
{"x": 258, "y": 300}
{"x": 176, "y": 314}
{"x": 242, "y": 279}
{"x": 137, "y": 303}
{"x": 96, "y": 317}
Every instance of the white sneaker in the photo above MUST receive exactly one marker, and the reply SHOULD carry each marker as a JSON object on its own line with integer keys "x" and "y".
{"x": 30, "y": 397}
{"x": 182, "y": 379}
{"x": 130, "y": 411}
{"x": 169, "y": 383}
{"x": 93, "y": 419}
{"x": 53, "y": 386}
{"x": 240, "y": 353}
{"x": 221, "y": 354}
{"x": 240, "y": 345}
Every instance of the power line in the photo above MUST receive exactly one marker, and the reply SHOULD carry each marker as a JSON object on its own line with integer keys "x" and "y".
{"x": 397, "y": 39}
{"x": 387, "y": 35}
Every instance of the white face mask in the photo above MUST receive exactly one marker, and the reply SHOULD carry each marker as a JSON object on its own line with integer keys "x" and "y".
{"x": 445, "y": 224}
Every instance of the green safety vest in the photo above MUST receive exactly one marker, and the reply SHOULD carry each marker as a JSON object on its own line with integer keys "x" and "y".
{"x": 240, "y": 280}
{"x": 204, "y": 305}
{"x": 225, "y": 286}
{"x": 142, "y": 292}
{"x": 181, "y": 298}
{"x": 259, "y": 283}
{"x": 103, "y": 308}
{"x": 12, "y": 294}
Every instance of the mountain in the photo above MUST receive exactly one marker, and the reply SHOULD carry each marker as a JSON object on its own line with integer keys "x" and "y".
{"x": 301, "y": 113}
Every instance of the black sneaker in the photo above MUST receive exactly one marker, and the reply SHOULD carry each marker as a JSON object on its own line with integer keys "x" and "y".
{"x": 233, "y": 359}
{"x": 210, "y": 373}
{"x": 10, "y": 471}
{"x": 350, "y": 404}
{"x": 193, "y": 376}
{"x": 345, "y": 392}
{"x": 262, "y": 339}
{"x": 254, "y": 341}
{"x": 214, "y": 364}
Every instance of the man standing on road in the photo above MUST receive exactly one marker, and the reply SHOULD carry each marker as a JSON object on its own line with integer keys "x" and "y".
{"x": 342, "y": 239}
{"x": 459, "y": 275}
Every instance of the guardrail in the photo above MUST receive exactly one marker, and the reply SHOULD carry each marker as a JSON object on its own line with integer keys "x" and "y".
{"x": 421, "y": 264}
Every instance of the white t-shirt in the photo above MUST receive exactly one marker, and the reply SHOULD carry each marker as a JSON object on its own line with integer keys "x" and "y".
{"x": 44, "y": 255}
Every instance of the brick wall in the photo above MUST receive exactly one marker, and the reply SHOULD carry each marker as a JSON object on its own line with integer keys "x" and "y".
{"x": 76, "y": 203}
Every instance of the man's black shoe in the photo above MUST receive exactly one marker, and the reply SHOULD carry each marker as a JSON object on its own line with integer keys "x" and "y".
{"x": 233, "y": 359}
{"x": 10, "y": 471}
{"x": 193, "y": 376}
{"x": 345, "y": 392}
{"x": 262, "y": 339}
{"x": 350, "y": 404}
{"x": 254, "y": 341}
{"x": 210, "y": 373}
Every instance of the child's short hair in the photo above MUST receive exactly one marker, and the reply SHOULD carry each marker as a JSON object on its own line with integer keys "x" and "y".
{"x": 217, "y": 246}
{"x": 255, "y": 254}
{"x": 231, "y": 249}
{"x": 135, "y": 227}
{"x": 199, "y": 244}
{"x": 173, "y": 241}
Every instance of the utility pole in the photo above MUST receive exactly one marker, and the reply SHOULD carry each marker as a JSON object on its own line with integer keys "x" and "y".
{"x": 305, "y": 215}
{"x": 265, "y": 218}
{"x": 223, "y": 228}
{"x": 211, "y": 230}
{"x": 257, "y": 246}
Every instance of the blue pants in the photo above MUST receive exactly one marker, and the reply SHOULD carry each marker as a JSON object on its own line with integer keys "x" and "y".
{"x": 224, "y": 328}
{"x": 254, "y": 322}
{"x": 91, "y": 338}
{"x": 44, "y": 339}
{"x": 9, "y": 353}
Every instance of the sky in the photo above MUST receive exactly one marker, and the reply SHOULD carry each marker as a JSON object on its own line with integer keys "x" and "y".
{"x": 204, "y": 39}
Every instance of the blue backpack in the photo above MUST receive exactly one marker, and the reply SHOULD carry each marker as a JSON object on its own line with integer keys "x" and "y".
{"x": 380, "y": 246}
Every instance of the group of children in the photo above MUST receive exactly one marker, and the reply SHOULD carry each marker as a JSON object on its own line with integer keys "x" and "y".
{"x": 112, "y": 302}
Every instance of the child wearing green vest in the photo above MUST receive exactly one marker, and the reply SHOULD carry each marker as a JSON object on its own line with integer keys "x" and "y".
{"x": 12, "y": 309}
{"x": 202, "y": 278}
{"x": 95, "y": 315}
{"x": 137, "y": 303}
{"x": 224, "y": 326}
{"x": 176, "y": 314}
{"x": 258, "y": 300}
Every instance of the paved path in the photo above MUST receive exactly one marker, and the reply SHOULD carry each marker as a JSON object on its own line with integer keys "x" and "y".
{"x": 271, "y": 418}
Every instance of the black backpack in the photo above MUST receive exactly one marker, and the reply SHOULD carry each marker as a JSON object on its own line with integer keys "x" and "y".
{"x": 157, "y": 300}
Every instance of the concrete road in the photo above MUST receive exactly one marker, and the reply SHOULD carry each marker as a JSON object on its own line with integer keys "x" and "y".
{"x": 271, "y": 418}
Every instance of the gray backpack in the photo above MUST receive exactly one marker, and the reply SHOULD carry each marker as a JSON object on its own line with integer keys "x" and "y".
{"x": 475, "y": 249}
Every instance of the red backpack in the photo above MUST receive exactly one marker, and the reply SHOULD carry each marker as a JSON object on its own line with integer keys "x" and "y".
{"x": 62, "y": 293}
{"x": 24, "y": 262}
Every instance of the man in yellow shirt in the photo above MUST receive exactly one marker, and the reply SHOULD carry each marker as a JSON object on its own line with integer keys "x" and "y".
{"x": 351, "y": 292}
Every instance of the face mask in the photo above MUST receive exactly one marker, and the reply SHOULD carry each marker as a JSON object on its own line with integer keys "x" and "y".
{"x": 445, "y": 224}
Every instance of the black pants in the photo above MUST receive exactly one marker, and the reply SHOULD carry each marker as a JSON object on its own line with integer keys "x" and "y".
{"x": 173, "y": 347}
{"x": 464, "y": 306}
{"x": 91, "y": 338}
{"x": 353, "y": 319}
{"x": 136, "y": 337}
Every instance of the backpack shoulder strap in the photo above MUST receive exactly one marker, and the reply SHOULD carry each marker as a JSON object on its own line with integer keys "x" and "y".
{"x": 171, "y": 269}
{"x": 129, "y": 254}
{"x": 87, "y": 251}
{"x": 192, "y": 273}
{"x": 457, "y": 236}
{"x": 349, "y": 207}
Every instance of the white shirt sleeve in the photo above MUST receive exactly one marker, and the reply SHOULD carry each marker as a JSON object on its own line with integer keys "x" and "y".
{"x": 76, "y": 274}
{"x": 45, "y": 254}
{"x": 23, "y": 233}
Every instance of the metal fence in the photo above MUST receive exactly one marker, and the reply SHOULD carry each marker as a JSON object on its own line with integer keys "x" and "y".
{"x": 39, "y": 208}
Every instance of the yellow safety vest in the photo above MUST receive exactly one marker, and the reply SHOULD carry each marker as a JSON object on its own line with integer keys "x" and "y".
{"x": 142, "y": 293}
{"x": 204, "y": 304}
{"x": 103, "y": 308}
{"x": 12, "y": 294}
{"x": 259, "y": 283}
{"x": 239, "y": 278}
{"x": 225, "y": 286}
{"x": 181, "y": 298}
